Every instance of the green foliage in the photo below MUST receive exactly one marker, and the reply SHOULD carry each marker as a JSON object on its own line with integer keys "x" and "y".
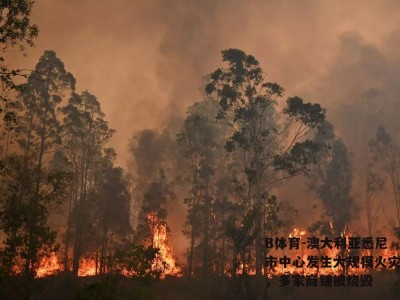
{"x": 136, "y": 261}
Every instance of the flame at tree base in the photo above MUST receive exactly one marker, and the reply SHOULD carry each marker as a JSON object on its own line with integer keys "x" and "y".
{"x": 49, "y": 266}
{"x": 164, "y": 261}
{"x": 165, "y": 264}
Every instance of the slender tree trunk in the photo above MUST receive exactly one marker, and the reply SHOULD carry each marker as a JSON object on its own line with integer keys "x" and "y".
{"x": 396, "y": 197}
{"x": 68, "y": 233}
{"x": 80, "y": 207}
{"x": 192, "y": 232}
{"x": 206, "y": 237}
{"x": 32, "y": 247}
{"x": 104, "y": 242}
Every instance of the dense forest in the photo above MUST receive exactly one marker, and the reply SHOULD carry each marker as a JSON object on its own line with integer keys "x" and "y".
{"x": 74, "y": 224}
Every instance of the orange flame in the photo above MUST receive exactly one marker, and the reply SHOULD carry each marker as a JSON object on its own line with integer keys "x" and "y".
{"x": 51, "y": 265}
{"x": 87, "y": 267}
{"x": 48, "y": 266}
{"x": 165, "y": 261}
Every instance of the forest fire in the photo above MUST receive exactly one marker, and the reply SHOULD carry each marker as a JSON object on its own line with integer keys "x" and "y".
{"x": 165, "y": 261}
{"x": 181, "y": 168}
{"x": 51, "y": 266}
{"x": 48, "y": 266}
{"x": 87, "y": 268}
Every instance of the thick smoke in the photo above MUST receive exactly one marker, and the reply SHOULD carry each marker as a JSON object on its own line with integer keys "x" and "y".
{"x": 145, "y": 60}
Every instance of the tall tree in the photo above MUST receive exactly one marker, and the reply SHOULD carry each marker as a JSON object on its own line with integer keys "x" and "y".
{"x": 247, "y": 104}
{"x": 200, "y": 142}
{"x": 85, "y": 134}
{"x": 111, "y": 207}
{"x": 385, "y": 161}
{"x": 154, "y": 204}
{"x": 16, "y": 30}
{"x": 333, "y": 187}
{"x": 363, "y": 115}
{"x": 151, "y": 151}
{"x": 331, "y": 181}
{"x": 34, "y": 184}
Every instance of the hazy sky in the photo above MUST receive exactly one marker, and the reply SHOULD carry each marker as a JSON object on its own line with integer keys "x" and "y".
{"x": 144, "y": 60}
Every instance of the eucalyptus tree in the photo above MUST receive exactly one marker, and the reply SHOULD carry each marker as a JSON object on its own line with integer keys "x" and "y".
{"x": 16, "y": 31}
{"x": 270, "y": 142}
{"x": 31, "y": 184}
{"x": 153, "y": 153}
{"x": 200, "y": 142}
{"x": 331, "y": 181}
{"x": 110, "y": 202}
{"x": 333, "y": 188}
{"x": 84, "y": 136}
{"x": 386, "y": 167}
{"x": 154, "y": 208}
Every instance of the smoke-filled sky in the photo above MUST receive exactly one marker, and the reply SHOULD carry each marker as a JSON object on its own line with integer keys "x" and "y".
{"x": 145, "y": 60}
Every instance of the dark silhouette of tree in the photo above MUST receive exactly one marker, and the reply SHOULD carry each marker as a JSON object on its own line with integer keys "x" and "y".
{"x": 32, "y": 184}
{"x": 247, "y": 104}
{"x": 386, "y": 163}
{"x": 16, "y": 30}
{"x": 154, "y": 202}
{"x": 111, "y": 210}
{"x": 331, "y": 181}
{"x": 85, "y": 134}
{"x": 200, "y": 142}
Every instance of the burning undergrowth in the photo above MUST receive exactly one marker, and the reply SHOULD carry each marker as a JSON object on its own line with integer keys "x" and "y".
{"x": 225, "y": 162}
{"x": 154, "y": 259}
